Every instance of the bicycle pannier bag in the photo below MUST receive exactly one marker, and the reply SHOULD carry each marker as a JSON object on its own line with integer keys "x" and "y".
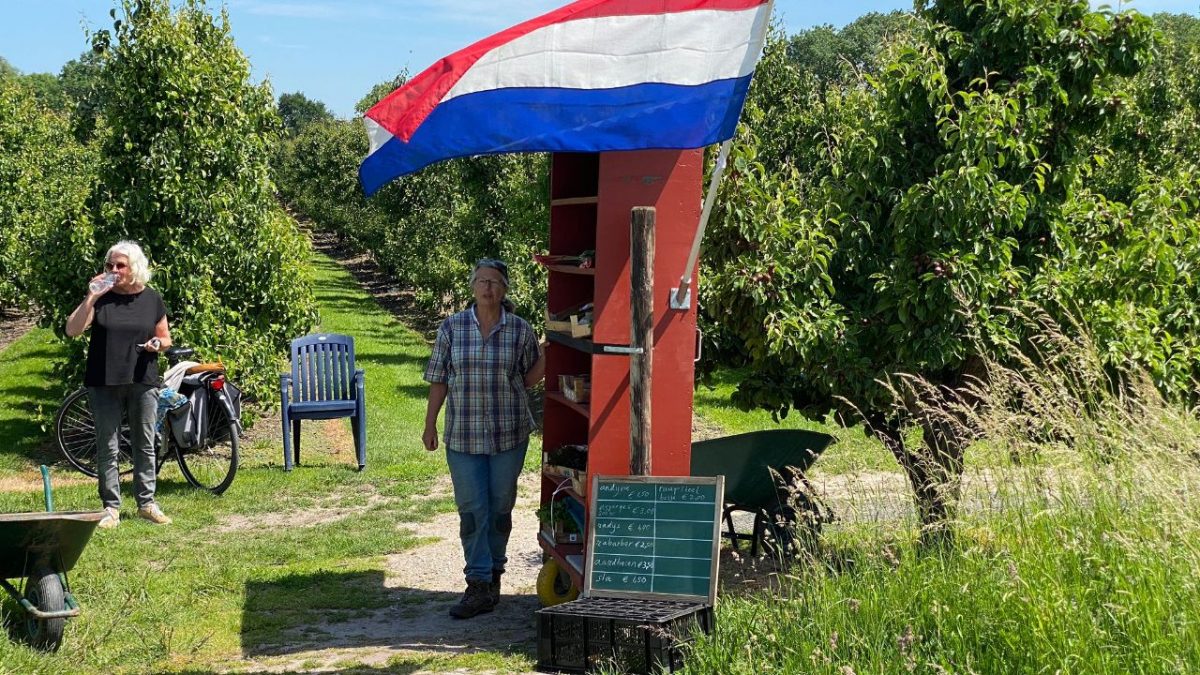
{"x": 190, "y": 423}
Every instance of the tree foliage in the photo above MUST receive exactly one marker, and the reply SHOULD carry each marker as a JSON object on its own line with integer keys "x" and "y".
{"x": 842, "y": 56}
{"x": 943, "y": 200}
{"x": 45, "y": 177}
{"x": 7, "y": 69}
{"x": 297, "y": 111}
{"x": 83, "y": 84}
{"x": 184, "y": 170}
{"x": 426, "y": 229}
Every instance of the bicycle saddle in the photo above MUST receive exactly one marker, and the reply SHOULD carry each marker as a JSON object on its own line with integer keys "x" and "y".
{"x": 176, "y": 354}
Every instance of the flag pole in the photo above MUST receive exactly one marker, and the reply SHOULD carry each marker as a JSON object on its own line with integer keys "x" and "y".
{"x": 681, "y": 297}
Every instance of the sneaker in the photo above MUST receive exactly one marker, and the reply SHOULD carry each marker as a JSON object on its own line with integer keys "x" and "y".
{"x": 494, "y": 587}
{"x": 476, "y": 600}
{"x": 152, "y": 513}
{"x": 111, "y": 519}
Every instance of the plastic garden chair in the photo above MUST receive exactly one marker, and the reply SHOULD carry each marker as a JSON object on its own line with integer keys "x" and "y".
{"x": 324, "y": 384}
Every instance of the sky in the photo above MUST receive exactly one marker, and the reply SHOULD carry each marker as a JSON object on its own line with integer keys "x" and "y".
{"x": 334, "y": 51}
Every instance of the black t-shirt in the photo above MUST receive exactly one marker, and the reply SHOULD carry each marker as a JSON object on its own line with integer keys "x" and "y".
{"x": 122, "y": 322}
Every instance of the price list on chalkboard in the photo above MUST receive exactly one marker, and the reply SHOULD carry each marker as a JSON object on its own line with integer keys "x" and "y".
{"x": 655, "y": 535}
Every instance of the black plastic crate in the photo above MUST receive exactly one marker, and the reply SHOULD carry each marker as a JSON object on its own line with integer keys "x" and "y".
{"x": 634, "y": 636}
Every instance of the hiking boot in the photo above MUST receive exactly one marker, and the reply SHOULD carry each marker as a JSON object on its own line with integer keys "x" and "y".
{"x": 494, "y": 587}
{"x": 152, "y": 513}
{"x": 111, "y": 519}
{"x": 477, "y": 600}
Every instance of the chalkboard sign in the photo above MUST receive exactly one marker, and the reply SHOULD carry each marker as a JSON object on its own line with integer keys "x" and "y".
{"x": 654, "y": 537}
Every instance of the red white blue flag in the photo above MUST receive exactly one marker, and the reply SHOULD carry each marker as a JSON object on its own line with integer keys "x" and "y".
{"x": 593, "y": 76}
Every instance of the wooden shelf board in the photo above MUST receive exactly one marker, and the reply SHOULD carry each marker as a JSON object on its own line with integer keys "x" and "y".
{"x": 580, "y": 408}
{"x": 563, "y": 489}
{"x": 570, "y": 269}
{"x": 575, "y": 201}
{"x": 582, "y": 344}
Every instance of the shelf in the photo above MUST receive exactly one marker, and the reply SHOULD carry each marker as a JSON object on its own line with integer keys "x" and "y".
{"x": 570, "y": 556}
{"x": 569, "y": 269}
{"x": 575, "y": 201}
{"x": 581, "y": 408}
{"x": 563, "y": 489}
{"x": 585, "y": 345}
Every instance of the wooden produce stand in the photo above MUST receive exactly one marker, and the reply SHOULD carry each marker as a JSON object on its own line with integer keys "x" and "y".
{"x": 592, "y": 197}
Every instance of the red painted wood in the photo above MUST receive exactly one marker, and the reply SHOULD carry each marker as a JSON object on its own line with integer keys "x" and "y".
{"x": 670, "y": 181}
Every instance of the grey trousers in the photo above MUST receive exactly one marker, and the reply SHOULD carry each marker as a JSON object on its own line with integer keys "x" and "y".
{"x": 140, "y": 403}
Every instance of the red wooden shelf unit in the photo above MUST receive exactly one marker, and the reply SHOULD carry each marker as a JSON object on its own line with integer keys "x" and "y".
{"x": 591, "y": 197}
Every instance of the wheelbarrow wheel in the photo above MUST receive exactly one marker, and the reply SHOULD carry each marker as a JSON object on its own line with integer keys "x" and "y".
{"x": 792, "y": 530}
{"x": 554, "y": 585}
{"x": 75, "y": 431}
{"x": 44, "y": 590}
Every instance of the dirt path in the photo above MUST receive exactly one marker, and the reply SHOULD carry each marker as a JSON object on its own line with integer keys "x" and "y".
{"x": 14, "y": 324}
{"x": 423, "y": 583}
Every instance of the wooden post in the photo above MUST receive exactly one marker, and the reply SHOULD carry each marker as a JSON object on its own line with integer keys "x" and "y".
{"x": 641, "y": 305}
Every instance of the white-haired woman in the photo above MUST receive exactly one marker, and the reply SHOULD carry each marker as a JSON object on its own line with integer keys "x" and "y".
{"x": 131, "y": 327}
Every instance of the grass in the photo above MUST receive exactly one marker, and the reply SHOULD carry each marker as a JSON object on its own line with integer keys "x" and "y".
{"x": 27, "y": 387}
{"x": 235, "y": 575}
{"x": 1080, "y": 559}
{"x": 1098, "y": 578}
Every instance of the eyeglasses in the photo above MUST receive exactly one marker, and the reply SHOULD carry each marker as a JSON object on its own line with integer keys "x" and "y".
{"x": 114, "y": 266}
{"x": 489, "y": 282}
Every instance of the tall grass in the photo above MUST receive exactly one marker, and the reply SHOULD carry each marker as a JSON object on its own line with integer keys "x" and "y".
{"x": 1080, "y": 556}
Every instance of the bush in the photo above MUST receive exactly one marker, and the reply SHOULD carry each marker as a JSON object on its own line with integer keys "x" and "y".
{"x": 427, "y": 228}
{"x": 184, "y": 170}
{"x": 45, "y": 177}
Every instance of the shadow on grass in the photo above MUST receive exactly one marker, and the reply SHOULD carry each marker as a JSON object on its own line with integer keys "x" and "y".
{"x": 302, "y": 613}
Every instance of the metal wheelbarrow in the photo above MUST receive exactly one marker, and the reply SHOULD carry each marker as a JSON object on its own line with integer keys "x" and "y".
{"x": 41, "y": 548}
{"x": 762, "y": 469}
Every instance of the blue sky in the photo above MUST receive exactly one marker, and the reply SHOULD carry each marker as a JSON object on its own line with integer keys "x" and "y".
{"x": 335, "y": 51}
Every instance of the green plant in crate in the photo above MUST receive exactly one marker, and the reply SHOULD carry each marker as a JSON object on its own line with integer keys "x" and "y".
{"x": 555, "y": 518}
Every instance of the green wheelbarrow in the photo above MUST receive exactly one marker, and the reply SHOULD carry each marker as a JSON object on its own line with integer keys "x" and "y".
{"x": 41, "y": 548}
{"x": 760, "y": 469}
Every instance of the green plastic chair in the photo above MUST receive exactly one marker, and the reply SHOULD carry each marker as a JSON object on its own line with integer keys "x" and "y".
{"x": 747, "y": 461}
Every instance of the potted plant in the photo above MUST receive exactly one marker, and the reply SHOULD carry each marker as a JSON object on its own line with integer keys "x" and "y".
{"x": 558, "y": 524}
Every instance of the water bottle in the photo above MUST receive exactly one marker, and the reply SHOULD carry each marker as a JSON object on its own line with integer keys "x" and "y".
{"x": 103, "y": 283}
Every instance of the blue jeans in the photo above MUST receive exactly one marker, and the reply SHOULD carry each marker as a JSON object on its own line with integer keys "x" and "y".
{"x": 485, "y": 490}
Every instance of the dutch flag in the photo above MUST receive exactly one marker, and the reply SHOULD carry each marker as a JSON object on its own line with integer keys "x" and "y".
{"x": 593, "y": 76}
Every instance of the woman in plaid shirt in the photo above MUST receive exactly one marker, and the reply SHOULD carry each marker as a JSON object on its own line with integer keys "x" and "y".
{"x": 483, "y": 360}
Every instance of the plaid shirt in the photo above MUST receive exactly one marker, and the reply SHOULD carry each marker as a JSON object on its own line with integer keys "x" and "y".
{"x": 487, "y": 410}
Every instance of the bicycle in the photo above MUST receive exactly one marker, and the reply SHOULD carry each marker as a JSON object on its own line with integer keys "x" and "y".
{"x": 210, "y": 465}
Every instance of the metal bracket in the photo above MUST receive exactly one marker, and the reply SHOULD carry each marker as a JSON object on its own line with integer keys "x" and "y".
{"x": 683, "y": 301}
{"x": 613, "y": 349}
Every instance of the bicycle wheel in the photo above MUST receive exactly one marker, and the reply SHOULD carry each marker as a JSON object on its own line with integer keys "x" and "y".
{"x": 75, "y": 431}
{"x": 213, "y": 465}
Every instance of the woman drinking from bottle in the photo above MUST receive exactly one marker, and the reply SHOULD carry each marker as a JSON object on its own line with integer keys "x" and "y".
{"x": 131, "y": 327}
